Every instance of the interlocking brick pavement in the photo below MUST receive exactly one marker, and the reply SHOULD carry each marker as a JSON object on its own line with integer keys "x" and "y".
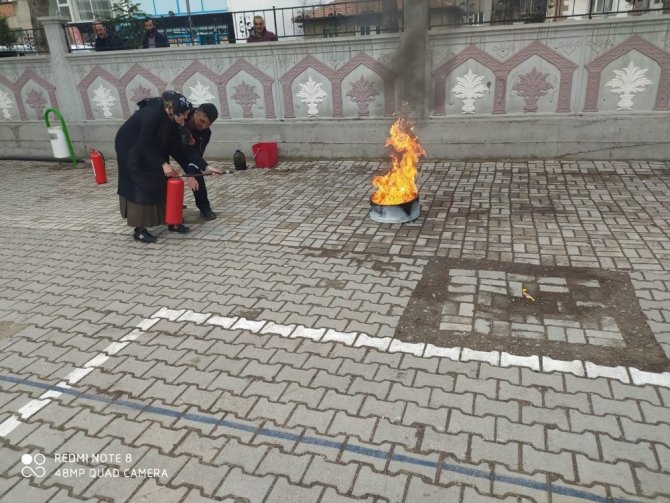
{"x": 293, "y": 350}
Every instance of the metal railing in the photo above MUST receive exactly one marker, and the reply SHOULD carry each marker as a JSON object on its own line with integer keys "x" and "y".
{"x": 354, "y": 18}
{"x": 208, "y": 31}
{"x": 25, "y": 43}
{"x": 357, "y": 18}
{"x": 362, "y": 18}
{"x": 480, "y": 12}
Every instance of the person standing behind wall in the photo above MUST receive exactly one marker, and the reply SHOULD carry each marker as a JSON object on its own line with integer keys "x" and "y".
{"x": 152, "y": 37}
{"x": 106, "y": 41}
{"x": 260, "y": 33}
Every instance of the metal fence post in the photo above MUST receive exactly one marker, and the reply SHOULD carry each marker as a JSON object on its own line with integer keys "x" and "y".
{"x": 274, "y": 15}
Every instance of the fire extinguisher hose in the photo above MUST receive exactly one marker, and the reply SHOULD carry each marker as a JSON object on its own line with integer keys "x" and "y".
{"x": 189, "y": 175}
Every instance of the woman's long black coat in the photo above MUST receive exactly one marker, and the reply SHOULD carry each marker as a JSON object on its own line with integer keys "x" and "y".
{"x": 143, "y": 143}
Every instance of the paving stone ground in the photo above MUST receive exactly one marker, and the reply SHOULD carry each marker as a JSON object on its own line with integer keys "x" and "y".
{"x": 295, "y": 351}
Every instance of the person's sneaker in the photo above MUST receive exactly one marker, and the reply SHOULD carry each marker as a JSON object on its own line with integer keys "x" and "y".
{"x": 208, "y": 215}
{"x": 180, "y": 228}
{"x": 143, "y": 235}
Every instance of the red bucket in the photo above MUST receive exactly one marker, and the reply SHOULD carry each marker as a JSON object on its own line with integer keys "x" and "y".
{"x": 265, "y": 155}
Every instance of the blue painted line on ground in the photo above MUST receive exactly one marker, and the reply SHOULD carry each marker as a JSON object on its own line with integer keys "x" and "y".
{"x": 373, "y": 453}
{"x": 127, "y": 403}
{"x": 323, "y": 442}
{"x": 376, "y": 453}
{"x": 284, "y": 435}
{"x": 199, "y": 418}
{"x": 415, "y": 461}
{"x": 233, "y": 425}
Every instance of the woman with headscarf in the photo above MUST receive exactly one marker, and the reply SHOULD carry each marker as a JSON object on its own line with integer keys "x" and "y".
{"x": 143, "y": 145}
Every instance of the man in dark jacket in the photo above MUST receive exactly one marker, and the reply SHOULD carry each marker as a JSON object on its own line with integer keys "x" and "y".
{"x": 197, "y": 133}
{"x": 259, "y": 33}
{"x": 104, "y": 40}
{"x": 152, "y": 37}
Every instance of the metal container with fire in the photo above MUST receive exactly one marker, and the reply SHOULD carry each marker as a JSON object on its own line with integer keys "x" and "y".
{"x": 396, "y": 200}
{"x": 395, "y": 213}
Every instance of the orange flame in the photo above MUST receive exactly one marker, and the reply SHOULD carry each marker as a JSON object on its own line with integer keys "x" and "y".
{"x": 398, "y": 185}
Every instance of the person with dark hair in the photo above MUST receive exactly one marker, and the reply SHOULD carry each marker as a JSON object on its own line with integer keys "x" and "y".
{"x": 143, "y": 145}
{"x": 152, "y": 37}
{"x": 197, "y": 133}
{"x": 105, "y": 40}
{"x": 260, "y": 33}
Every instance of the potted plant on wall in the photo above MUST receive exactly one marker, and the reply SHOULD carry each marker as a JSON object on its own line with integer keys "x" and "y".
{"x": 127, "y": 20}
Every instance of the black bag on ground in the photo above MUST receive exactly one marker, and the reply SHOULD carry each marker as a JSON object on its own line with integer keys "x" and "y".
{"x": 239, "y": 160}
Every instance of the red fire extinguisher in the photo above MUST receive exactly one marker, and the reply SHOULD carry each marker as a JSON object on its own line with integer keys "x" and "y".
{"x": 98, "y": 163}
{"x": 174, "y": 202}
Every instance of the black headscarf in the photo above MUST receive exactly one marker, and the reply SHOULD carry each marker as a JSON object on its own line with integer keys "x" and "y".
{"x": 175, "y": 103}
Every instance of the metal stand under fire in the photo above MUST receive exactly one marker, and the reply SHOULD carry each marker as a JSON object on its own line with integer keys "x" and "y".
{"x": 396, "y": 200}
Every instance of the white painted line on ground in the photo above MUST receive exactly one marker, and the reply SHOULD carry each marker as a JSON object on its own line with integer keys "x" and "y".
{"x": 536, "y": 363}
{"x": 115, "y": 347}
{"x": 531, "y": 362}
{"x": 9, "y": 425}
{"x": 490, "y": 357}
{"x": 347, "y": 338}
{"x": 573, "y": 367}
{"x": 136, "y": 333}
{"x": 577, "y": 367}
{"x": 78, "y": 374}
{"x": 593, "y": 371}
{"x": 96, "y": 361}
{"x": 52, "y": 393}
{"x": 251, "y": 325}
{"x": 33, "y": 406}
{"x": 273, "y": 328}
{"x": 169, "y": 314}
{"x": 308, "y": 333}
{"x": 641, "y": 377}
{"x": 381, "y": 343}
{"x": 220, "y": 321}
{"x": 198, "y": 318}
{"x": 450, "y": 353}
{"x": 145, "y": 324}
{"x": 415, "y": 349}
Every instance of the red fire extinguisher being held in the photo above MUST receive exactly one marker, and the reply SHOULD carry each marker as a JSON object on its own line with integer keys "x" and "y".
{"x": 98, "y": 163}
{"x": 174, "y": 202}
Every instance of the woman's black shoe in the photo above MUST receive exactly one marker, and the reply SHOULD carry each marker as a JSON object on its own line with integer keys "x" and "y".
{"x": 143, "y": 235}
{"x": 180, "y": 228}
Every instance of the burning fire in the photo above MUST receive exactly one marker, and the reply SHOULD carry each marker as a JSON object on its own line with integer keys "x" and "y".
{"x": 398, "y": 185}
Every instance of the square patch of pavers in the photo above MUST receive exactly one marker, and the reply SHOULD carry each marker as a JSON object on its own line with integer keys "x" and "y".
{"x": 565, "y": 313}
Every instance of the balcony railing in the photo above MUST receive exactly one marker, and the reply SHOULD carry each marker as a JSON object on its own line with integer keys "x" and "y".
{"x": 479, "y": 12}
{"x": 362, "y": 18}
{"x": 24, "y": 43}
{"x": 212, "y": 30}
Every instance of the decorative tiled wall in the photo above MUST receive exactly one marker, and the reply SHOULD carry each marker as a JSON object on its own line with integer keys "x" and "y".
{"x": 545, "y": 69}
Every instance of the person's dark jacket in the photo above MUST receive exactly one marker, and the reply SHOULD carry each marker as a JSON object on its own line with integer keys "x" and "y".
{"x": 192, "y": 149}
{"x": 161, "y": 40}
{"x": 266, "y": 36}
{"x": 143, "y": 143}
{"x": 111, "y": 43}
